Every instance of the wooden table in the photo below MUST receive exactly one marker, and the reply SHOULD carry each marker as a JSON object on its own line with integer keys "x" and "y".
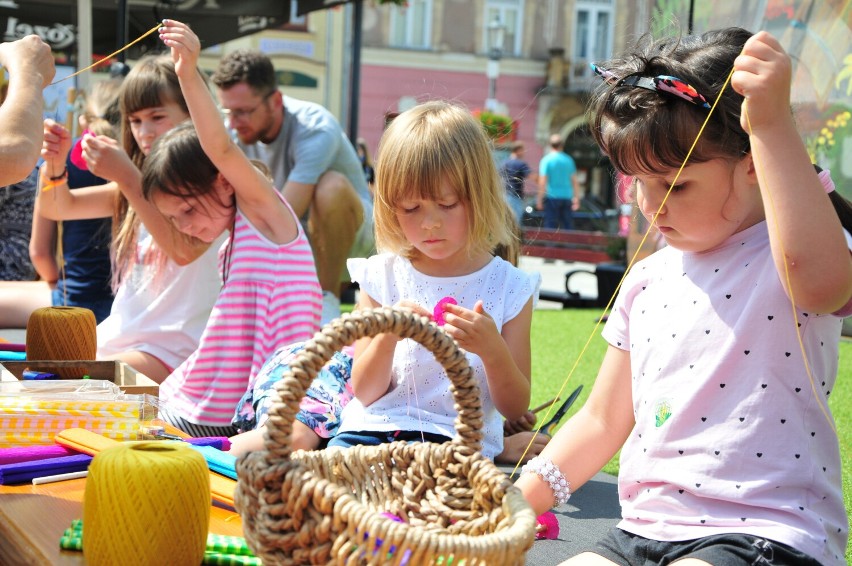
{"x": 33, "y": 518}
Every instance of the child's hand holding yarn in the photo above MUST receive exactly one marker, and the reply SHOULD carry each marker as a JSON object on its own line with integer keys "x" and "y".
{"x": 438, "y": 311}
{"x": 762, "y": 74}
{"x": 474, "y": 330}
{"x": 105, "y": 158}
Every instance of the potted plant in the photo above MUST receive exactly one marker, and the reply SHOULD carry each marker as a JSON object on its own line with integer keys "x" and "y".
{"x": 499, "y": 127}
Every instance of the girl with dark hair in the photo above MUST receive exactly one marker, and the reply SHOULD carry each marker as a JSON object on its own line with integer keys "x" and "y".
{"x": 205, "y": 186}
{"x": 713, "y": 387}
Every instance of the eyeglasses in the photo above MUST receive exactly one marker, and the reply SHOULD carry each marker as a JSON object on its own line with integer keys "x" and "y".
{"x": 661, "y": 83}
{"x": 237, "y": 114}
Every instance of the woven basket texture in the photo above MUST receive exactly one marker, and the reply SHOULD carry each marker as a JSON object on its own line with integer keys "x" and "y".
{"x": 326, "y": 506}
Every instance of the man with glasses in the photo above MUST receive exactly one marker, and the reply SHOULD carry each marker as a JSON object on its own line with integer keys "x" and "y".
{"x": 312, "y": 161}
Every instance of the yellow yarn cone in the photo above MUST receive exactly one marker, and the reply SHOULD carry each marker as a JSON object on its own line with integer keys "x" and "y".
{"x": 62, "y": 333}
{"x": 146, "y": 503}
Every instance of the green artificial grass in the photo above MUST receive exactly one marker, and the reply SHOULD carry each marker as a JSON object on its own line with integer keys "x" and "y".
{"x": 558, "y": 337}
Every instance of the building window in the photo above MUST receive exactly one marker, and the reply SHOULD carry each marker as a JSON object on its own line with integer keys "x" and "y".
{"x": 511, "y": 15}
{"x": 411, "y": 25}
{"x": 593, "y": 23}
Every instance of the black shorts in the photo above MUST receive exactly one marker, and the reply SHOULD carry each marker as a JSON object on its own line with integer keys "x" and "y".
{"x": 732, "y": 549}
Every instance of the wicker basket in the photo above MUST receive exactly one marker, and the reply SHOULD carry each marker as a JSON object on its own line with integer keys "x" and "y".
{"x": 326, "y": 506}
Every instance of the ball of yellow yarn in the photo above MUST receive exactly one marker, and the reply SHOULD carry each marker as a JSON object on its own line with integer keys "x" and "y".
{"x": 146, "y": 503}
{"x": 62, "y": 333}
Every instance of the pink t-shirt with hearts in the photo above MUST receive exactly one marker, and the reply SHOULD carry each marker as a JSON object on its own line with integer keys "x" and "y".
{"x": 731, "y": 433}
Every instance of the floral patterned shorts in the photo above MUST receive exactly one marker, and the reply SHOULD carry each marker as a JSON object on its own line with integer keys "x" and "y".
{"x": 320, "y": 410}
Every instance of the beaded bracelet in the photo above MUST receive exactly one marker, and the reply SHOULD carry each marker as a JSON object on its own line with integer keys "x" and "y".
{"x": 550, "y": 473}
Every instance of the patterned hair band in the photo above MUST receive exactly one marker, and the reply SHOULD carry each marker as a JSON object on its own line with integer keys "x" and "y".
{"x": 661, "y": 83}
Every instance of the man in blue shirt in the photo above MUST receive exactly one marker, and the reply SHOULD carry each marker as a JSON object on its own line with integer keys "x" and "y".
{"x": 558, "y": 194}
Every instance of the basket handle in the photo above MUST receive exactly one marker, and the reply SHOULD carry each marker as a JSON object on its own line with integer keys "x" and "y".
{"x": 290, "y": 390}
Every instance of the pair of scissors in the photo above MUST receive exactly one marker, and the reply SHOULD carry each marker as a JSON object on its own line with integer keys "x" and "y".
{"x": 547, "y": 428}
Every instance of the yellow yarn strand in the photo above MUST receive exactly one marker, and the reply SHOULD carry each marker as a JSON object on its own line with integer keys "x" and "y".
{"x": 823, "y": 405}
{"x": 146, "y": 503}
{"x": 107, "y": 58}
{"x": 629, "y": 265}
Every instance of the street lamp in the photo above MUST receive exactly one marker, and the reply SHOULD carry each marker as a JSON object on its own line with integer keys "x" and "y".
{"x": 496, "y": 35}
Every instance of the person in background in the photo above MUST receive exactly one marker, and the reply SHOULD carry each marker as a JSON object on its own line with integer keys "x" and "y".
{"x": 366, "y": 162}
{"x": 16, "y": 219}
{"x": 20, "y": 293}
{"x": 558, "y": 191}
{"x": 30, "y": 65}
{"x": 515, "y": 172}
{"x": 723, "y": 345}
{"x": 312, "y": 161}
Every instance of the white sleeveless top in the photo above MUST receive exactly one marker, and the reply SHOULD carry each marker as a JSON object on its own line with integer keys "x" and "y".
{"x": 419, "y": 398}
{"x": 163, "y": 314}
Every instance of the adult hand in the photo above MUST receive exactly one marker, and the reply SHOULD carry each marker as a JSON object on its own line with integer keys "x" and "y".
{"x": 28, "y": 57}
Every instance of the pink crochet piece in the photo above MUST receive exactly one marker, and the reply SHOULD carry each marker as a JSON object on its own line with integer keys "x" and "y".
{"x": 547, "y": 527}
{"x": 438, "y": 311}
{"x": 77, "y": 154}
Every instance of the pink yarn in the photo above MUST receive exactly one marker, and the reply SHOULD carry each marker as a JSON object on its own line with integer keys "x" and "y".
{"x": 77, "y": 154}
{"x": 438, "y": 311}
{"x": 547, "y": 527}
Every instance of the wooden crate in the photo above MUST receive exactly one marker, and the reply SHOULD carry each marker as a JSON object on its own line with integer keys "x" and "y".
{"x": 128, "y": 379}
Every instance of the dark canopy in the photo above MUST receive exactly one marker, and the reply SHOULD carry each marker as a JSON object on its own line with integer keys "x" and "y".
{"x": 214, "y": 21}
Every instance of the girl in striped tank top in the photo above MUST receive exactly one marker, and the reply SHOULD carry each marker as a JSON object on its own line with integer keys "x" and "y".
{"x": 205, "y": 185}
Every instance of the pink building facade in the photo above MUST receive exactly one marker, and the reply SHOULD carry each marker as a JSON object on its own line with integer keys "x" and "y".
{"x": 386, "y": 89}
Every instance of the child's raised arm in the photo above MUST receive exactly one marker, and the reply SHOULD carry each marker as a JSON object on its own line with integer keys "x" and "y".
{"x": 255, "y": 194}
{"x": 799, "y": 215}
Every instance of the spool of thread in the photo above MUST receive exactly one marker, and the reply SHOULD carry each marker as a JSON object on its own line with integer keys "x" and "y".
{"x": 60, "y": 334}
{"x": 146, "y": 503}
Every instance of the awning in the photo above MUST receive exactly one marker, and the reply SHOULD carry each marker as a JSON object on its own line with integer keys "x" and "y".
{"x": 214, "y": 21}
